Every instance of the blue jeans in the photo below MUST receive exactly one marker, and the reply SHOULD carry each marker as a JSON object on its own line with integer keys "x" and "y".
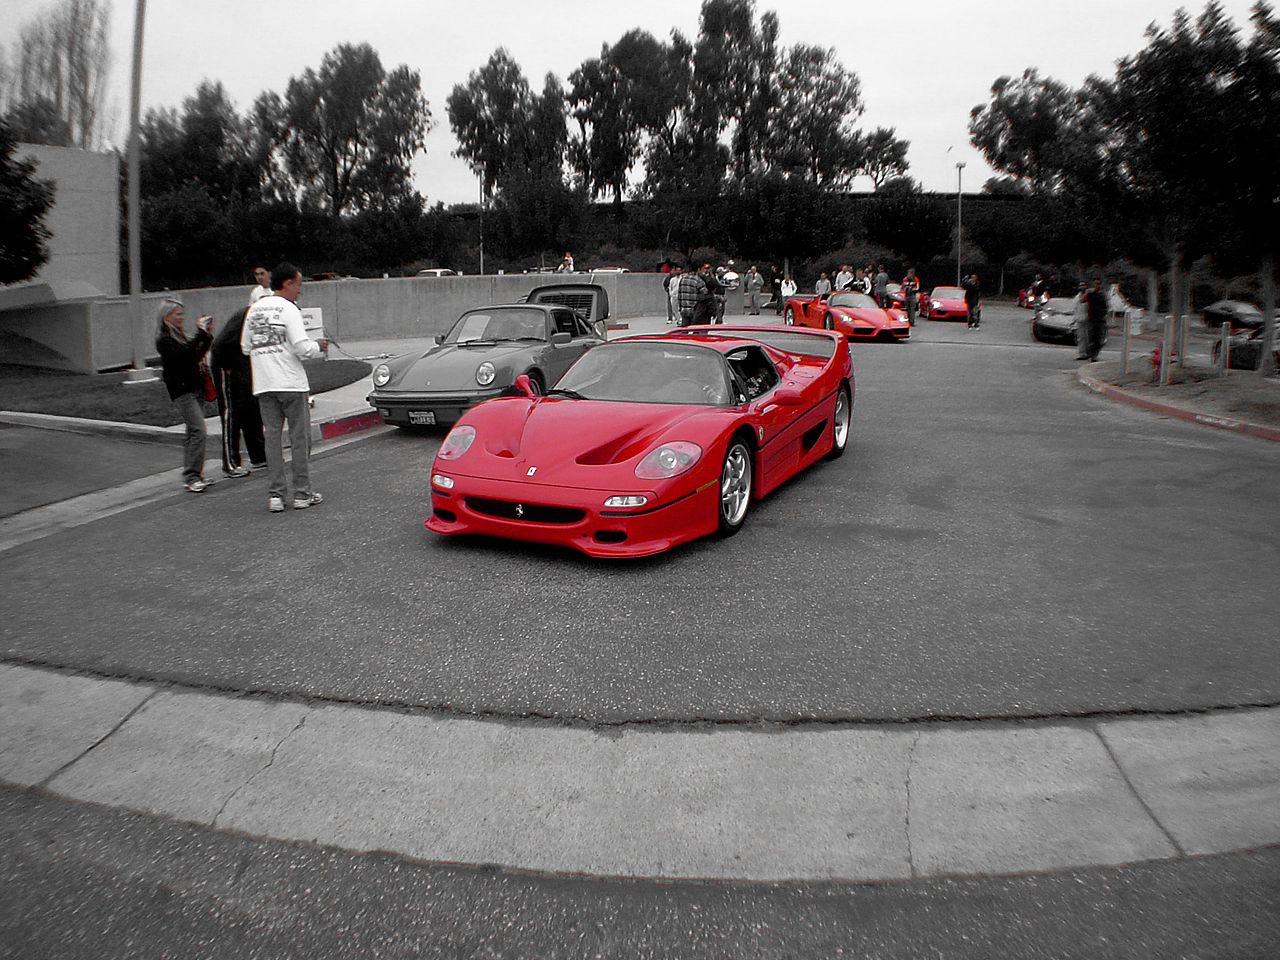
{"x": 192, "y": 409}
{"x": 276, "y": 408}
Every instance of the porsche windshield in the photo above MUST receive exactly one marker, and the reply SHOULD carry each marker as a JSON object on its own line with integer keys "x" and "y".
{"x": 648, "y": 372}
{"x": 851, "y": 300}
{"x": 490, "y": 325}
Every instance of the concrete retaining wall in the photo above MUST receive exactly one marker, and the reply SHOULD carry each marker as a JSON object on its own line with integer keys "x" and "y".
{"x": 93, "y": 335}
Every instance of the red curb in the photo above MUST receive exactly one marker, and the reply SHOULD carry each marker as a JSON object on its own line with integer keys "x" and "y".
{"x": 1206, "y": 419}
{"x": 344, "y": 425}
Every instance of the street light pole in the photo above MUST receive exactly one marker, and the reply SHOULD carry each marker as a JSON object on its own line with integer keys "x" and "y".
{"x": 959, "y": 217}
{"x": 139, "y": 373}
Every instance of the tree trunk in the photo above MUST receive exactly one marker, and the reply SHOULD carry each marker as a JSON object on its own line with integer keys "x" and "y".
{"x": 1267, "y": 365}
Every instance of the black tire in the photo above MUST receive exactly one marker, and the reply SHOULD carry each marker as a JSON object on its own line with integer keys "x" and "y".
{"x": 789, "y": 317}
{"x": 734, "y": 498}
{"x": 828, "y": 322}
{"x": 536, "y": 384}
{"x": 1035, "y": 333}
{"x": 840, "y": 428}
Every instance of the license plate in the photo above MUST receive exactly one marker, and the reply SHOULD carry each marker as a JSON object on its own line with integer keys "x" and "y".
{"x": 422, "y": 416}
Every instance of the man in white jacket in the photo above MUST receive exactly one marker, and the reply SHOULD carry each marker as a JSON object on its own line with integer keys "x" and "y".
{"x": 276, "y": 341}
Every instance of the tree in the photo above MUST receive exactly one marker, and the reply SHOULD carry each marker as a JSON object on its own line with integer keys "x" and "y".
{"x": 488, "y": 116}
{"x": 883, "y": 156}
{"x": 1027, "y": 128}
{"x": 812, "y": 135}
{"x": 54, "y": 88}
{"x": 24, "y": 202}
{"x": 348, "y": 132}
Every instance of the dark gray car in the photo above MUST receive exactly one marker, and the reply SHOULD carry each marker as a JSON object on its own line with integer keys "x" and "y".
{"x": 486, "y": 349}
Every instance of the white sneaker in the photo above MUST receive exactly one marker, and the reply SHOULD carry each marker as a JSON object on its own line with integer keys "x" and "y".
{"x": 196, "y": 486}
{"x": 236, "y": 472}
{"x": 275, "y": 504}
{"x": 301, "y": 503}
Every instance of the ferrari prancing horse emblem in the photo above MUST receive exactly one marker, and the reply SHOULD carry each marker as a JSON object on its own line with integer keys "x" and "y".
{"x": 519, "y": 510}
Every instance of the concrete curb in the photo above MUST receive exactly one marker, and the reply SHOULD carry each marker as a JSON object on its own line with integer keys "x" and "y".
{"x": 1167, "y": 409}
{"x": 856, "y": 803}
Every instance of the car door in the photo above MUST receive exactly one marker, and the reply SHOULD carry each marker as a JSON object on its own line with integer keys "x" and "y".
{"x": 561, "y": 356}
{"x": 775, "y": 422}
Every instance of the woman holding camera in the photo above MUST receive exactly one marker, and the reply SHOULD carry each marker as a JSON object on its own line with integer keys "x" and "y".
{"x": 180, "y": 362}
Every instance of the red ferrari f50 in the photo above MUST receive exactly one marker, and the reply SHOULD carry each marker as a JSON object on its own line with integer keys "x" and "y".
{"x": 649, "y": 441}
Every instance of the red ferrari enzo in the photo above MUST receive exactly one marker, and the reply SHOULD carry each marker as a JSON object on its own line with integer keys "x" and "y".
{"x": 853, "y": 314}
{"x": 649, "y": 441}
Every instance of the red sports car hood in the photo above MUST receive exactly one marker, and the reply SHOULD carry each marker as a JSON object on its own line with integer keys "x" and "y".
{"x": 575, "y": 442}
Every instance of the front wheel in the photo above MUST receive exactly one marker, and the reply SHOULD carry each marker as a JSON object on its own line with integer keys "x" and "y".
{"x": 828, "y": 322}
{"x": 841, "y": 421}
{"x": 735, "y": 488}
{"x": 789, "y": 317}
{"x": 536, "y": 384}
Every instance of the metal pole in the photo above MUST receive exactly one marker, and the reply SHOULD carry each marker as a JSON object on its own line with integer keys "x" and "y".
{"x": 959, "y": 217}
{"x": 482, "y": 225}
{"x": 139, "y": 373}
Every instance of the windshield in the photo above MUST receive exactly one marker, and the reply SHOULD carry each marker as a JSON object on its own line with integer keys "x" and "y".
{"x": 948, "y": 293}
{"x": 518, "y": 323}
{"x": 649, "y": 372}
{"x": 851, "y": 300}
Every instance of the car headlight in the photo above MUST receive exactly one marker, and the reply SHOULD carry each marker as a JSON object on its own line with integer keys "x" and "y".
{"x": 381, "y": 375}
{"x": 669, "y": 460}
{"x": 457, "y": 442}
{"x": 937, "y": 304}
{"x": 485, "y": 374}
{"x": 627, "y": 500}
{"x": 441, "y": 481}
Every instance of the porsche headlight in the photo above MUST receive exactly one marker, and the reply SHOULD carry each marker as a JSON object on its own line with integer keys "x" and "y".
{"x": 457, "y": 442}
{"x": 669, "y": 460}
{"x": 381, "y": 375}
{"x": 485, "y": 374}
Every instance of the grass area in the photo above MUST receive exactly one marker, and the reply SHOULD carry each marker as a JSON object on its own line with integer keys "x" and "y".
{"x": 105, "y": 396}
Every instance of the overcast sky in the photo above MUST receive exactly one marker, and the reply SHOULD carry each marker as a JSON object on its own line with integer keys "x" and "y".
{"x": 923, "y": 64}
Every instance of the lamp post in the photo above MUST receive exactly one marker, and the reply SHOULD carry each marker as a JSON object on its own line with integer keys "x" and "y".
{"x": 959, "y": 217}
{"x": 139, "y": 373}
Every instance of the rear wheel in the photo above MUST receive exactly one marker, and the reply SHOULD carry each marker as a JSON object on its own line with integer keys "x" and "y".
{"x": 841, "y": 422}
{"x": 735, "y": 488}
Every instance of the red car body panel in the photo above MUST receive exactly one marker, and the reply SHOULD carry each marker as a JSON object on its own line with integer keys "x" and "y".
{"x": 947, "y": 308}
{"x": 540, "y": 468}
{"x": 858, "y": 323}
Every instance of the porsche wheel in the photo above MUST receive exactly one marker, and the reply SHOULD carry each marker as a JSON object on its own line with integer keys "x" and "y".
{"x": 789, "y": 317}
{"x": 841, "y": 422}
{"x": 735, "y": 488}
{"x": 536, "y": 384}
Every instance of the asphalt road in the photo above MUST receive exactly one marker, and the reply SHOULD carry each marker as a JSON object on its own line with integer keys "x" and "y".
{"x": 998, "y": 543}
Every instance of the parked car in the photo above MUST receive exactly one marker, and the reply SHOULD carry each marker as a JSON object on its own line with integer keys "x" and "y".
{"x": 437, "y": 272}
{"x": 1055, "y": 320}
{"x": 649, "y": 441}
{"x": 1244, "y": 350}
{"x": 853, "y": 314}
{"x": 946, "y": 303}
{"x": 1237, "y": 313}
{"x": 486, "y": 349}
{"x": 333, "y": 276}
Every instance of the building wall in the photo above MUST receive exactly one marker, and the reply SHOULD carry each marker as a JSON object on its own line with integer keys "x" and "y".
{"x": 85, "y": 218}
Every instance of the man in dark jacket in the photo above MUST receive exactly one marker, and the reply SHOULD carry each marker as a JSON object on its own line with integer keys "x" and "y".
{"x": 1095, "y": 319}
{"x": 237, "y": 406}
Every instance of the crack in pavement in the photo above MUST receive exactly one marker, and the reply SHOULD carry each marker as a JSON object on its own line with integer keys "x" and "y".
{"x": 911, "y": 759}
{"x": 44, "y": 784}
{"x": 1124, "y": 775}
{"x": 265, "y": 767}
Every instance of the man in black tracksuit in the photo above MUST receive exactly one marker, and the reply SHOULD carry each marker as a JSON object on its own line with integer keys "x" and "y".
{"x": 237, "y": 406}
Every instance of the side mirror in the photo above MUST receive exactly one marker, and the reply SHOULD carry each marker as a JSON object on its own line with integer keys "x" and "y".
{"x": 525, "y": 386}
{"x": 438, "y": 338}
{"x": 560, "y": 339}
{"x": 785, "y": 397}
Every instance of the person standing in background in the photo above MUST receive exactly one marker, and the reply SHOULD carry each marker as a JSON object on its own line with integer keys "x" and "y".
{"x": 911, "y": 294}
{"x": 180, "y": 369}
{"x": 263, "y": 289}
{"x": 882, "y": 288}
{"x": 237, "y": 406}
{"x": 822, "y": 286}
{"x": 276, "y": 342}
{"x": 753, "y": 283}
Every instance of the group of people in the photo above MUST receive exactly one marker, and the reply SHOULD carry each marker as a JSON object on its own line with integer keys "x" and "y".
{"x": 698, "y": 296}
{"x": 259, "y": 383}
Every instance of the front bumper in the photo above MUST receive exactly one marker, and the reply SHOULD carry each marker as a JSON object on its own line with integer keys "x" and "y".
{"x": 411, "y": 409}
{"x": 570, "y": 516}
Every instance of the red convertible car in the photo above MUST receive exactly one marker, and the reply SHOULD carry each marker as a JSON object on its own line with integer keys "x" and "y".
{"x": 647, "y": 442}
{"x": 853, "y": 314}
